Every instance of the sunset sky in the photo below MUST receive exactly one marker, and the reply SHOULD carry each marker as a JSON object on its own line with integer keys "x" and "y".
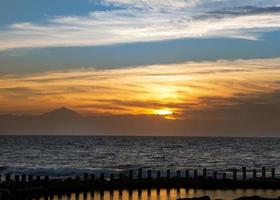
{"x": 188, "y": 61}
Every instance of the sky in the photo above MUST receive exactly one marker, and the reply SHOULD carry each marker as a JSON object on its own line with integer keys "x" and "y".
{"x": 189, "y": 62}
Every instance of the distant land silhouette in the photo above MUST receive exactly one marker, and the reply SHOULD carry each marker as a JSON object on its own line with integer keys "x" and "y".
{"x": 64, "y": 121}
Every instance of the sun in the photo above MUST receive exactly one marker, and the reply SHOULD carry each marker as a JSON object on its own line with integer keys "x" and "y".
{"x": 163, "y": 112}
{"x": 166, "y": 113}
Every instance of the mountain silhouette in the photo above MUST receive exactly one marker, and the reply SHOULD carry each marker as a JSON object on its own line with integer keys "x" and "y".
{"x": 59, "y": 120}
{"x": 61, "y": 113}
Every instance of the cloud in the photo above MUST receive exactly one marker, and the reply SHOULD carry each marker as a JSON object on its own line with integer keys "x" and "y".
{"x": 242, "y": 115}
{"x": 154, "y": 4}
{"x": 181, "y": 88}
{"x": 247, "y": 10}
{"x": 147, "y": 20}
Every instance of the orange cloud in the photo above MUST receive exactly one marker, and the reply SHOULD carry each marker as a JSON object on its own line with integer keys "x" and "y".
{"x": 176, "y": 88}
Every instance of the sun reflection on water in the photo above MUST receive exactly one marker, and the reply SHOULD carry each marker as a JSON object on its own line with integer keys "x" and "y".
{"x": 165, "y": 194}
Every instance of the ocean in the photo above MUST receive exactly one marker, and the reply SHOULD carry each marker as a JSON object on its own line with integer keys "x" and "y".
{"x": 62, "y": 156}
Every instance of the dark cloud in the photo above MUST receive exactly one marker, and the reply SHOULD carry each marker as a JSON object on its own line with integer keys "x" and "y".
{"x": 17, "y": 92}
{"x": 126, "y": 105}
{"x": 243, "y": 116}
{"x": 25, "y": 92}
{"x": 245, "y": 10}
{"x": 237, "y": 12}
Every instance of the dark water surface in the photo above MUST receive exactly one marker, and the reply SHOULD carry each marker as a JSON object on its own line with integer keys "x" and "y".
{"x": 71, "y": 155}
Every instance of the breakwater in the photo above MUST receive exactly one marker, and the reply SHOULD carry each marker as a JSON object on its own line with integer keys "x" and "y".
{"x": 22, "y": 186}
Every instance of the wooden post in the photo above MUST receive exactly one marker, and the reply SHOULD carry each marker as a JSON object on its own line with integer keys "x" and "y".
{"x": 120, "y": 176}
{"x": 131, "y": 174}
{"x": 224, "y": 175}
{"x": 178, "y": 173}
{"x": 263, "y": 172}
{"x": 120, "y": 193}
{"x": 139, "y": 192}
{"x": 254, "y": 174}
{"x": 273, "y": 173}
{"x": 112, "y": 194}
{"x": 102, "y": 194}
{"x": 149, "y": 191}
{"x": 168, "y": 173}
{"x": 195, "y": 173}
{"x": 92, "y": 177}
{"x": 84, "y": 195}
{"x": 204, "y": 173}
{"x": 46, "y": 179}
{"x": 38, "y": 178}
{"x": 187, "y": 173}
{"x": 215, "y": 175}
{"x": 244, "y": 173}
{"x": 8, "y": 178}
{"x": 140, "y": 173}
{"x": 85, "y": 176}
{"x": 158, "y": 174}
{"x": 23, "y": 178}
{"x": 102, "y": 176}
{"x": 111, "y": 177}
{"x": 30, "y": 178}
{"x": 149, "y": 174}
{"x": 59, "y": 196}
{"x": 234, "y": 174}
{"x": 68, "y": 196}
{"x": 17, "y": 178}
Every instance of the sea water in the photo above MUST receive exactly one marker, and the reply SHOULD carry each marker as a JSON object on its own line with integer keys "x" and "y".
{"x": 73, "y": 155}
